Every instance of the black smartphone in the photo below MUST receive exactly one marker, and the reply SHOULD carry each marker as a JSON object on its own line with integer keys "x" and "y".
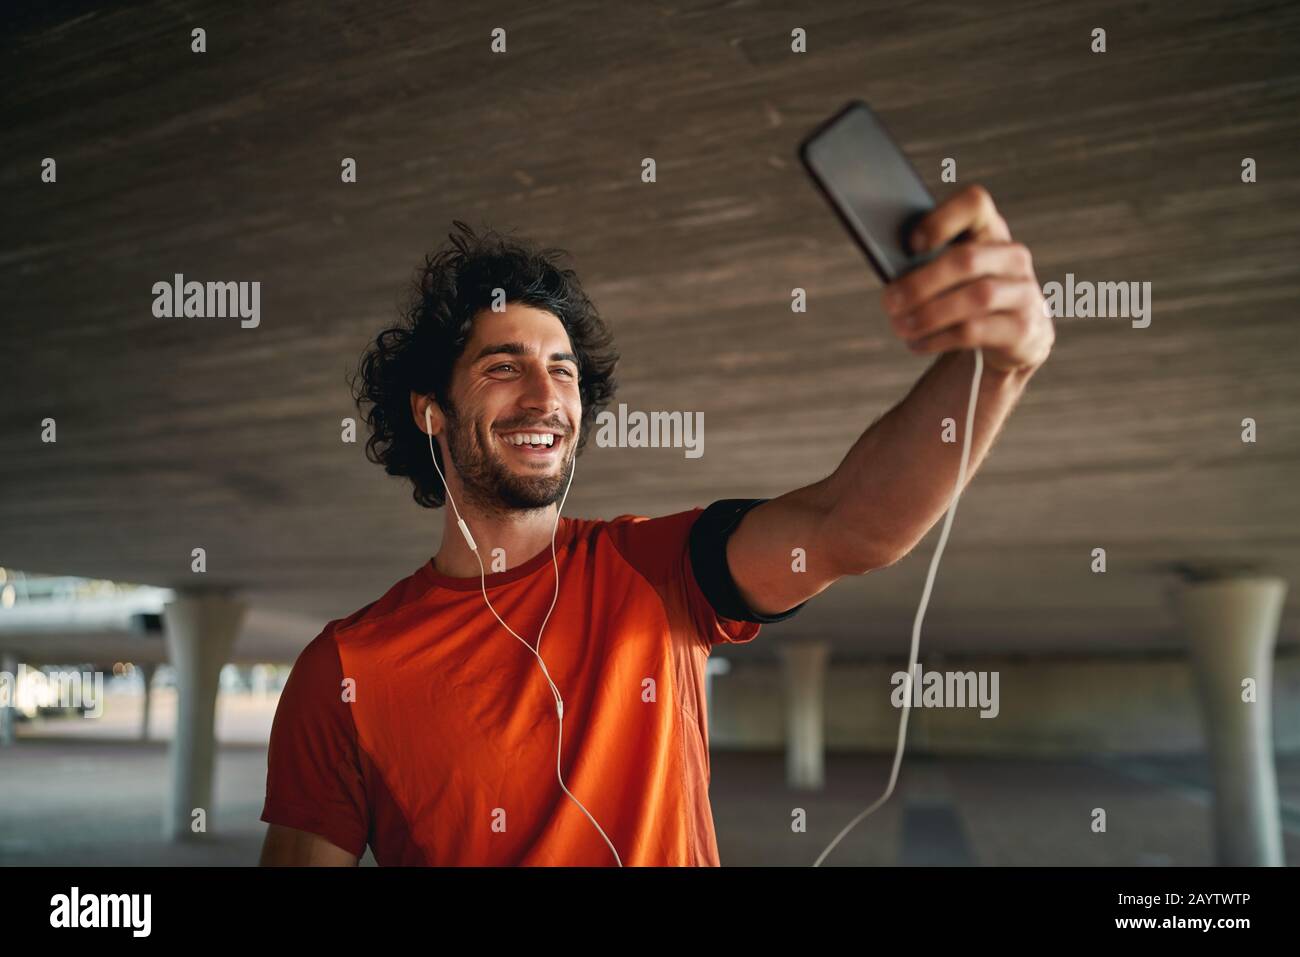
{"x": 872, "y": 186}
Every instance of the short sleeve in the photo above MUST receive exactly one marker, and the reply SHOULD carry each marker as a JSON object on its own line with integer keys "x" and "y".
{"x": 684, "y": 555}
{"x": 314, "y": 780}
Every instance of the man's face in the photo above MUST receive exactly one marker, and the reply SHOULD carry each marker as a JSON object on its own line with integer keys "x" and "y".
{"x": 517, "y": 376}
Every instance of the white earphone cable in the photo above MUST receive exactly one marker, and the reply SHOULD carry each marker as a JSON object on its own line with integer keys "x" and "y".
{"x": 559, "y": 702}
{"x": 920, "y": 611}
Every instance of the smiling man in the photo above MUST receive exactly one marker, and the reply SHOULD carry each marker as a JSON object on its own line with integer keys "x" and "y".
{"x": 427, "y": 727}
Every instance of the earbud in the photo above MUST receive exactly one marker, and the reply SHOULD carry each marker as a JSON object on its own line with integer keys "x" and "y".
{"x": 464, "y": 529}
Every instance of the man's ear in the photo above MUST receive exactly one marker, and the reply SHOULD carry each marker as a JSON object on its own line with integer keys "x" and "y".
{"x": 419, "y": 405}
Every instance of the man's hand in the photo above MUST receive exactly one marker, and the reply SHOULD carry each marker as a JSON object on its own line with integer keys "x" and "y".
{"x": 897, "y": 479}
{"x": 979, "y": 293}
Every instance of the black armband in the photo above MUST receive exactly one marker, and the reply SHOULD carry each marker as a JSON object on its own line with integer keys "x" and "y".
{"x": 708, "y": 545}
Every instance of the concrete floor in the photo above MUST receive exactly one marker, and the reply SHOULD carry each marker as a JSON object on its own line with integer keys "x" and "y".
{"x": 98, "y": 801}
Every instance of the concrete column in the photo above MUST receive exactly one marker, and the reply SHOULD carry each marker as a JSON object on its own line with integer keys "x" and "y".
{"x": 9, "y": 715}
{"x": 805, "y": 678}
{"x": 714, "y": 666}
{"x": 1231, "y": 627}
{"x": 201, "y": 628}
{"x": 147, "y": 670}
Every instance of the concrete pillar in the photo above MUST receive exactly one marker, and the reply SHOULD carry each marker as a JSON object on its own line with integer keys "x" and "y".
{"x": 804, "y": 664}
{"x": 1231, "y": 627}
{"x": 714, "y": 666}
{"x": 201, "y": 628}
{"x": 9, "y": 715}
{"x": 147, "y": 670}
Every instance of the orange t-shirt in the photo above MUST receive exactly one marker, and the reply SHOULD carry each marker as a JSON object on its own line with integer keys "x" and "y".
{"x": 422, "y": 727}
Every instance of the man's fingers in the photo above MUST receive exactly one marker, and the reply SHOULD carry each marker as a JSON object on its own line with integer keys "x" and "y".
{"x": 957, "y": 265}
{"x": 978, "y": 297}
{"x": 970, "y": 210}
{"x": 995, "y": 330}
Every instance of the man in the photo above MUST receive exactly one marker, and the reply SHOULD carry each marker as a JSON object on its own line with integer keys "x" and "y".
{"x": 427, "y": 725}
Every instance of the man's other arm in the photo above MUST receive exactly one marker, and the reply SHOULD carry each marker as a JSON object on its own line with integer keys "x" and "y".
{"x": 289, "y": 847}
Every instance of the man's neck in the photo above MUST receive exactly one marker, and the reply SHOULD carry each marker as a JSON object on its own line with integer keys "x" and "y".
{"x": 521, "y": 536}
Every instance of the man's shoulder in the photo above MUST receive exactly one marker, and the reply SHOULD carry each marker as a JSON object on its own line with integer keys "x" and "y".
{"x": 400, "y": 595}
{"x": 672, "y": 531}
{"x": 645, "y": 529}
{"x": 316, "y": 666}
{"x": 652, "y": 545}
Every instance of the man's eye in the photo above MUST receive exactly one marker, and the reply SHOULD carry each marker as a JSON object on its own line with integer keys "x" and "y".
{"x": 511, "y": 365}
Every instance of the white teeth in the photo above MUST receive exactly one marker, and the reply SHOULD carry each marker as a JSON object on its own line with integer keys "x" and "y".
{"x": 531, "y": 438}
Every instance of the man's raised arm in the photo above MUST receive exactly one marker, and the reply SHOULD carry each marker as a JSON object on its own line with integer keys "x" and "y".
{"x": 897, "y": 479}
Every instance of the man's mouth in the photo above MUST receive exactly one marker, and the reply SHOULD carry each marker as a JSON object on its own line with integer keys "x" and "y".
{"x": 533, "y": 445}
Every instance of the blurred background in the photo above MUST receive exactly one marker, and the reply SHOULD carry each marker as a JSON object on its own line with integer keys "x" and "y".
{"x": 1119, "y": 690}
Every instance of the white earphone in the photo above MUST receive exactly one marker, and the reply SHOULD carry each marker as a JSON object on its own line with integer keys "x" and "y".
{"x": 559, "y": 702}
{"x": 920, "y": 610}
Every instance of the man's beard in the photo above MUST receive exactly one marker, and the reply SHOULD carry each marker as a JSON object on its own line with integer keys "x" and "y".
{"x": 490, "y": 484}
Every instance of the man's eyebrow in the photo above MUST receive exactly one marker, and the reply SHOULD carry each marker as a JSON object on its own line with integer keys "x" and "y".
{"x": 519, "y": 349}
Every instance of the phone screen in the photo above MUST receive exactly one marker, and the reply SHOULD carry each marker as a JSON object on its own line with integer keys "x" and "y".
{"x": 872, "y": 186}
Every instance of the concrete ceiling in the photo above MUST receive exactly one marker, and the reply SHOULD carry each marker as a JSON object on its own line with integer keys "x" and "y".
{"x": 1121, "y": 166}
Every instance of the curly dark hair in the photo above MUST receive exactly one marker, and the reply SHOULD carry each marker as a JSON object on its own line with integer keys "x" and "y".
{"x": 418, "y": 354}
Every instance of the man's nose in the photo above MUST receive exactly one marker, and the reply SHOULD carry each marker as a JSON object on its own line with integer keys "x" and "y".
{"x": 540, "y": 391}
